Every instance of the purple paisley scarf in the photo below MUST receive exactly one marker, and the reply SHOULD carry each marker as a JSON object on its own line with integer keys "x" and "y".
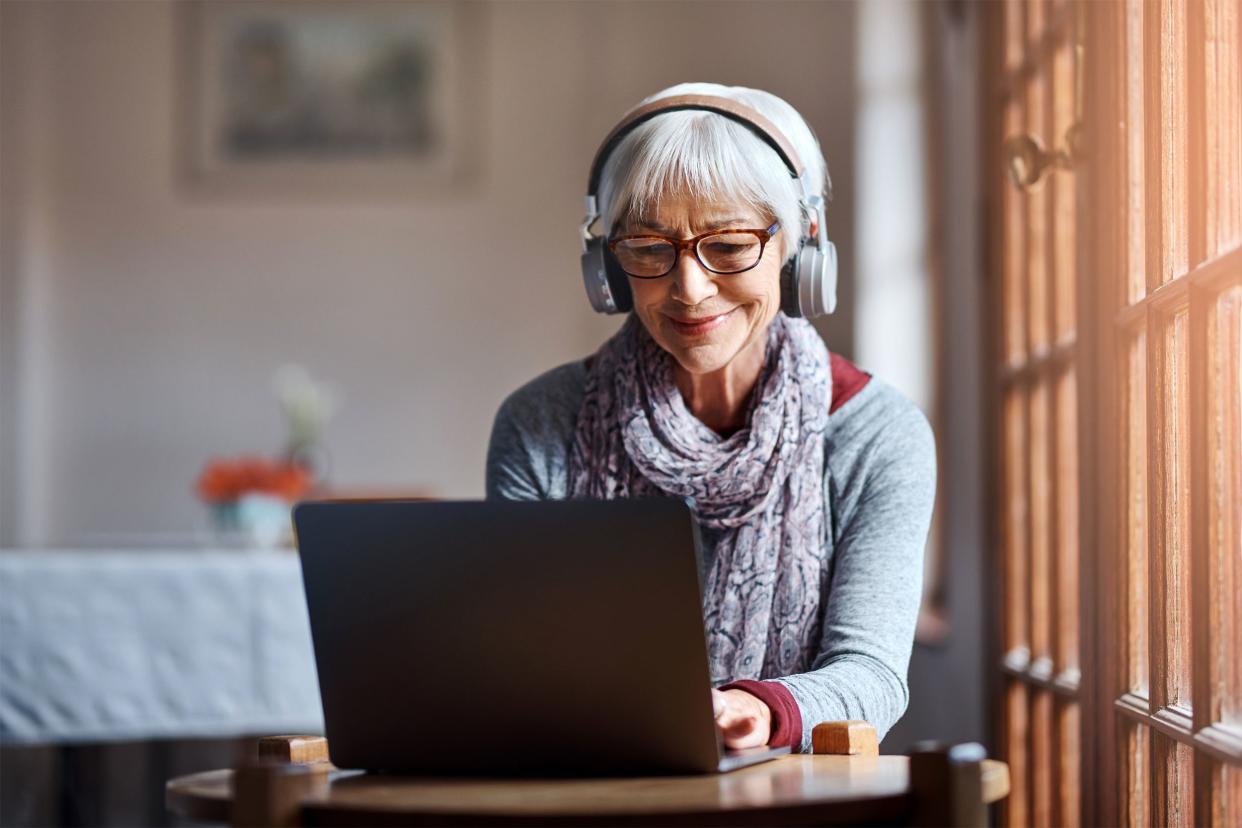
{"x": 759, "y": 490}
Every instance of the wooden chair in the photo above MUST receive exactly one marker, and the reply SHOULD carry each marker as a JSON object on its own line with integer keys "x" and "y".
{"x": 949, "y": 785}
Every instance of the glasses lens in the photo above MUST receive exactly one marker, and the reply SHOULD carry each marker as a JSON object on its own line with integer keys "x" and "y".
{"x": 645, "y": 257}
{"x": 730, "y": 252}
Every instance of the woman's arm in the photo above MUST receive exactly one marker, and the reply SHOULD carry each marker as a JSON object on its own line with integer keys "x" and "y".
{"x": 511, "y": 473}
{"x": 528, "y": 453}
{"x": 886, "y": 457}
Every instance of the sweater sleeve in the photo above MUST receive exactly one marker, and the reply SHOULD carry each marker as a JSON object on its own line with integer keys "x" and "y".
{"x": 528, "y": 454}
{"x": 511, "y": 473}
{"x": 786, "y": 725}
{"x": 876, "y": 580}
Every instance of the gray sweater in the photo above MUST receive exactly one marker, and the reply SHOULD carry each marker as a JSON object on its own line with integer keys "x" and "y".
{"x": 879, "y": 483}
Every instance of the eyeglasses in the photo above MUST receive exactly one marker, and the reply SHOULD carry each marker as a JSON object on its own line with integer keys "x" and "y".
{"x": 721, "y": 251}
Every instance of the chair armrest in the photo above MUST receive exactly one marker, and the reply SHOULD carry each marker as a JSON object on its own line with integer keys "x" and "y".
{"x": 294, "y": 750}
{"x": 847, "y": 738}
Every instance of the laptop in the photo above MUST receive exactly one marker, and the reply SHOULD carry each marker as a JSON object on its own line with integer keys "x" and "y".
{"x": 503, "y": 637}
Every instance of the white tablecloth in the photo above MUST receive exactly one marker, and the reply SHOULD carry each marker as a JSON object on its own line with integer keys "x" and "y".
{"x": 100, "y": 645}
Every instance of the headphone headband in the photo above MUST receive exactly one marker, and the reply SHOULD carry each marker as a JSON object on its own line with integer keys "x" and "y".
{"x": 733, "y": 110}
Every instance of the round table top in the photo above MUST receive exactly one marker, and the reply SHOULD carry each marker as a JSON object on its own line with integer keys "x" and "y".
{"x": 792, "y": 789}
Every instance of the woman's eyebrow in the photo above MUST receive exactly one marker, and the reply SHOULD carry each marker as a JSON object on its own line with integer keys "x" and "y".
{"x": 715, "y": 224}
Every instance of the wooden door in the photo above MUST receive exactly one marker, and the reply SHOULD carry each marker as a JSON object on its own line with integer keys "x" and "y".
{"x": 1118, "y": 391}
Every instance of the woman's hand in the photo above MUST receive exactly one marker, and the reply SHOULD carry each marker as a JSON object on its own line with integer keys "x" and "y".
{"x": 743, "y": 719}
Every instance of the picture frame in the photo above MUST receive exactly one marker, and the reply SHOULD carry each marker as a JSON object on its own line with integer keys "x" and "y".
{"x": 310, "y": 98}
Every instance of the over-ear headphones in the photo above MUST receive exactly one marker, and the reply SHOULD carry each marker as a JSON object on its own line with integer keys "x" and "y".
{"x": 808, "y": 280}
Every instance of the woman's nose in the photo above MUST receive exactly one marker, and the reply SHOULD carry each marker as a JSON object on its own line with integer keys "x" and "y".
{"x": 691, "y": 283}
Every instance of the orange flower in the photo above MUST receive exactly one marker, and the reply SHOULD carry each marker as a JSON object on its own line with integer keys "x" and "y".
{"x": 223, "y": 480}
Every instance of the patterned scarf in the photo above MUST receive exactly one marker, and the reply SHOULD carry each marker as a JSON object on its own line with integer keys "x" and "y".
{"x": 759, "y": 491}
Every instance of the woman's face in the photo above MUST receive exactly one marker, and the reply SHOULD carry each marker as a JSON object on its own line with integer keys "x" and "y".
{"x": 732, "y": 312}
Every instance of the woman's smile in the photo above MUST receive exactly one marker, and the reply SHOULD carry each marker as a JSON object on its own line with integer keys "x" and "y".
{"x": 699, "y": 325}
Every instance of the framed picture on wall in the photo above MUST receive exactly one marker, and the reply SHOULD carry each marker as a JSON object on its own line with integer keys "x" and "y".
{"x": 308, "y": 97}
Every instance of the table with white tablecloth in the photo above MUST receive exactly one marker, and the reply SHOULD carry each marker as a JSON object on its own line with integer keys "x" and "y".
{"x": 102, "y": 645}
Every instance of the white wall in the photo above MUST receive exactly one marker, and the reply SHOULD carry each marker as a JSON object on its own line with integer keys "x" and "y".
{"x": 948, "y": 701}
{"x": 140, "y": 321}
{"x": 893, "y": 300}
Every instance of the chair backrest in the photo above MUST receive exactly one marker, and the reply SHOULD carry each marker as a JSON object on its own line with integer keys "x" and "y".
{"x": 947, "y": 784}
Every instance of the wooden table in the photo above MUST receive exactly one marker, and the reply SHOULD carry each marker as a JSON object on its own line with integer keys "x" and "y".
{"x": 792, "y": 790}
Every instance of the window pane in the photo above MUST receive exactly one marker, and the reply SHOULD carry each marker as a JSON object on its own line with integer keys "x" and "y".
{"x": 1013, "y": 241}
{"x": 1017, "y": 804}
{"x": 1039, "y": 576}
{"x": 1063, "y": 194}
{"x": 1231, "y": 795}
{"x": 1134, "y": 456}
{"x": 1041, "y": 757}
{"x": 1136, "y": 257}
{"x": 1170, "y": 79}
{"x": 1065, "y": 594}
{"x": 1225, "y": 473}
{"x": 1170, "y": 515}
{"x": 1217, "y": 783}
{"x": 1016, "y": 520}
{"x": 1134, "y": 762}
{"x": 1172, "y": 782}
{"x": 1015, "y": 34}
{"x": 1066, "y": 759}
{"x": 1038, "y": 277}
{"x": 1223, "y": 79}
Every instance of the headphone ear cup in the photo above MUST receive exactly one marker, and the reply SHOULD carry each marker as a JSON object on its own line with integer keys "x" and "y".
{"x": 813, "y": 286}
{"x": 789, "y": 286}
{"x": 599, "y": 277}
{"x": 618, "y": 282}
{"x": 810, "y": 280}
{"x": 826, "y": 290}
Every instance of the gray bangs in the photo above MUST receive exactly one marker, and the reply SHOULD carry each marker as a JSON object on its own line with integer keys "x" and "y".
{"x": 706, "y": 156}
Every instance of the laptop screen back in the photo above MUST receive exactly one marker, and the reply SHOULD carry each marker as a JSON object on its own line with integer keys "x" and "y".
{"x": 509, "y": 637}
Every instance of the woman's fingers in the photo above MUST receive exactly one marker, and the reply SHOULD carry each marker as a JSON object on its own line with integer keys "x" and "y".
{"x": 743, "y": 732}
{"x": 737, "y": 727}
{"x": 737, "y": 723}
{"x": 738, "y": 719}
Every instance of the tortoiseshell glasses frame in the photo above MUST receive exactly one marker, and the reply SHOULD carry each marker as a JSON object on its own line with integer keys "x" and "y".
{"x": 693, "y": 244}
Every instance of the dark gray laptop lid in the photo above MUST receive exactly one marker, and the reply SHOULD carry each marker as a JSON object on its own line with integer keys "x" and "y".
{"x": 499, "y": 636}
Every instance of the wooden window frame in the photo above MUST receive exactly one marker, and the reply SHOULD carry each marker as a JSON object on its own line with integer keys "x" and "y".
{"x": 1134, "y": 717}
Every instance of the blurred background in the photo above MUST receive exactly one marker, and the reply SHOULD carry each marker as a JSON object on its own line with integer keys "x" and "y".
{"x": 232, "y": 234}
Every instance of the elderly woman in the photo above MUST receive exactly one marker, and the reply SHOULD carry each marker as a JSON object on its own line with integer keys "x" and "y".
{"x": 812, "y": 481}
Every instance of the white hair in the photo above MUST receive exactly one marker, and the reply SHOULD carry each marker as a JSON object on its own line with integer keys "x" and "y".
{"x": 714, "y": 158}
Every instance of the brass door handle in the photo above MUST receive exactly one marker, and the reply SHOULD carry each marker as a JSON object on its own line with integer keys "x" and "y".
{"x": 1027, "y": 160}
